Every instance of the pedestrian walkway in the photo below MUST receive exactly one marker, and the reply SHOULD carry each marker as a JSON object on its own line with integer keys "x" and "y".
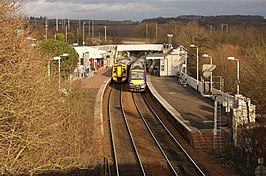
{"x": 192, "y": 112}
{"x": 96, "y": 80}
{"x": 194, "y": 108}
{"x": 97, "y": 84}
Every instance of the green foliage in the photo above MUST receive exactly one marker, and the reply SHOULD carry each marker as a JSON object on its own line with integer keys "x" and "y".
{"x": 57, "y": 48}
{"x": 71, "y": 38}
{"x": 61, "y": 37}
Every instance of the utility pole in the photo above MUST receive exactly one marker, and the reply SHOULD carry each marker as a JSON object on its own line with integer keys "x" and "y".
{"x": 99, "y": 38}
{"x": 156, "y": 30}
{"x": 79, "y": 24}
{"x": 92, "y": 27}
{"x": 68, "y": 23}
{"x": 104, "y": 33}
{"x": 83, "y": 42}
{"x": 89, "y": 27}
{"x": 66, "y": 33}
{"x": 226, "y": 28}
{"x": 77, "y": 35}
{"x": 56, "y": 24}
{"x": 46, "y": 29}
{"x": 146, "y": 31}
{"x": 63, "y": 23}
{"x": 210, "y": 28}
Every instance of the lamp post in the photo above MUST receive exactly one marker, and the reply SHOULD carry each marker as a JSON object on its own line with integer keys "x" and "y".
{"x": 170, "y": 36}
{"x": 83, "y": 42}
{"x": 104, "y": 33}
{"x": 207, "y": 56}
{"x": 238, "y": 79}
{"x": 66, "y": 33}
{"x": 56, "y": 22}
{"x": 146, "y": 31}
{"x": 215, "y": 106}
{"x": 46, "y": 29}
{"x": 210, "y": 28}
{"x": 197, "y": 57}
{"x": 226, "y": 28}
{"x": 89, "y": 28}
{"x": 92, "y": 28}
{"x": 59, "y": 66}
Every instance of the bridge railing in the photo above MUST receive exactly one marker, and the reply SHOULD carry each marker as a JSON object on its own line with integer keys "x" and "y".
{"x": 225, "y": 99}
{"x": 243, "y": 111}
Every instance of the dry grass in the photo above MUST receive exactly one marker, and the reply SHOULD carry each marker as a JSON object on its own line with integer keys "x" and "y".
{"x": 247, "y": 44}
{"x": 39, "y": 128}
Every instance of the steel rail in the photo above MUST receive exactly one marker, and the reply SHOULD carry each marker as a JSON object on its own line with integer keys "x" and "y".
{"x": 131, "y": 137}
{"x": 190, "y": 158}
{"x": 153, "y": 136}
{"x": 111, "y": 132}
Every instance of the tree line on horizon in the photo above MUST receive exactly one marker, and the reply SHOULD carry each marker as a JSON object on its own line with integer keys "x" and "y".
{"x": 243, "y": 20}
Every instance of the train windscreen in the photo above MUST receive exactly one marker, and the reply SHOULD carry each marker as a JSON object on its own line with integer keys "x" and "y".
{"x": 137, "y": 75}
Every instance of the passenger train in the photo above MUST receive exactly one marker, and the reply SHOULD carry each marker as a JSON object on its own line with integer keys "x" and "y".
{"x": 120, "y": 70}
{"x": 137, "y": 76}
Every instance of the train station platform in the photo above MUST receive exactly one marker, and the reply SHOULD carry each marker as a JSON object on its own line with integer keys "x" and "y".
{"x": 194, "y": 112}
{"x": 194, "y": 108}
{"x": 95, "y": 85}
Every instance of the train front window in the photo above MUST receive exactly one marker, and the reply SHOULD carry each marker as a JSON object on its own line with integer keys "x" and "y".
{"x": 137, "y": 75}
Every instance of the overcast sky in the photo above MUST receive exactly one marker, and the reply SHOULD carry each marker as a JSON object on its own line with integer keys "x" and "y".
{"x": 138, "y": 10}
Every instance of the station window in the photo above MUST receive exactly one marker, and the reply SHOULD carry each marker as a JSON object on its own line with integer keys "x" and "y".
{"x": 162, "y": 65}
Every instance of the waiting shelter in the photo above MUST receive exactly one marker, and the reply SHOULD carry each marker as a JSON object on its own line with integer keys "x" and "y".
{"x": 167, "y": 64}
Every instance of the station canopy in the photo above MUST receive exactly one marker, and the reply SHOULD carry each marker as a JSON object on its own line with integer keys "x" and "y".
{"x": 93, "y": 53}
{"x": 156, "y": 56}
{"x": 140, "y": 47}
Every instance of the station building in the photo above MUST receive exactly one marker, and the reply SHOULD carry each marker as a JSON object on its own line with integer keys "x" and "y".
{"x": 168, "y": 63}
{"x": 90, "y": 60}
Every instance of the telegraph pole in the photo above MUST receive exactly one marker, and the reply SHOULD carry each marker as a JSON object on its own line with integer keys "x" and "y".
{"x": 146, "y": 30}
{"x": 104, "y": 33}
{"x": 156, "y": 30}
{"x": 46, "y": 29}
{"x": 66, "y": 32}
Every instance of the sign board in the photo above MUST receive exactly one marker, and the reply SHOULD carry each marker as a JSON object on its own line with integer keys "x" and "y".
{"x": 260, "y": 171}
{"x": 208, "y": 67}
{"x": 206, "y": 90}
{"x": 207, "y": 70}
{"x": 206, "y": 74}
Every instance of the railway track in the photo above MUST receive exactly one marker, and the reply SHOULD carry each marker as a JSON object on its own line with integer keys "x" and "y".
{"x": 141, "y": 143}
{"x": 126, "y": 157}
{"x": 177, "y": 157}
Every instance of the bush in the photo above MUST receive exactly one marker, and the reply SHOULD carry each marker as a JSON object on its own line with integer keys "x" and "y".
{"x": 39, "y": 128}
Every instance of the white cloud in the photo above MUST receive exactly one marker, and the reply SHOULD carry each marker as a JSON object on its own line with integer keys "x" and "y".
{"x": 138, "y": 10}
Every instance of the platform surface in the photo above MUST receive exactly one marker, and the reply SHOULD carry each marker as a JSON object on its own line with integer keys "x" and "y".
{"x": 188, "y": 102}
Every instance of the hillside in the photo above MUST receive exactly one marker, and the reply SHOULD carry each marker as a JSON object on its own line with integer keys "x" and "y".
{"x": 243, "y": 20}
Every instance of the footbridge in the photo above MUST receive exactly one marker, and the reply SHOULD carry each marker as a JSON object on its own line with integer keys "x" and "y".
{"x": 140, "y": 47}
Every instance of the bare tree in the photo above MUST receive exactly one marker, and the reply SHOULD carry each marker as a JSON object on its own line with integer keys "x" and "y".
{"x": 41, "y": 128}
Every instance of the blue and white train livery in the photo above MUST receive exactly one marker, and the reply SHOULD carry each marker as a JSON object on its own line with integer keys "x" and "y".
{"x": 137, "y": 76}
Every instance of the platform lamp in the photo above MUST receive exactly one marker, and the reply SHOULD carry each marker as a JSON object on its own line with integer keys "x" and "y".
{"x": 237, "y": 69}
{"x": 59, "y": 67}
{"x": 207, "y": 56}
{"x": 197, "y": 57}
